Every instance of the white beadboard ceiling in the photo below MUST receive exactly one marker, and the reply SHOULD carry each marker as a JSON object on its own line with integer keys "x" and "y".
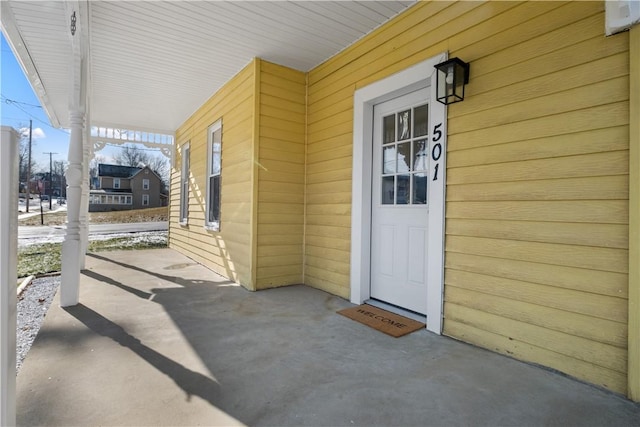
{"x": 153, "y": 63}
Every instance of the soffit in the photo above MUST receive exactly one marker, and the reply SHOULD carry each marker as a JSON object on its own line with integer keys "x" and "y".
{"x": 154, "y": 63}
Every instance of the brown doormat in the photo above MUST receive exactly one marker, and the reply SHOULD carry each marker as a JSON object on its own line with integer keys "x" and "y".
{"x": 382, "y": 320}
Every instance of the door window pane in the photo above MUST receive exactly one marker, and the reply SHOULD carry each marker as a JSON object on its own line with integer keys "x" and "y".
{"x": 420, "y": 115}
{"x": 419, "y": 188}
{"x": 402, "y": 190}
{"x": 387, "y": 190}
{"x": 404, "y": 125}
{"x": 389, "y": 159}
{"x": 420, "y": 155}
{"x": 404, "y": 157}
{"x": 388, "y": 129}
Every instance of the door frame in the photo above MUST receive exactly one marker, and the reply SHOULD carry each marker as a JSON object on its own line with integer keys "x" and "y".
{"x": 408, "y": 80}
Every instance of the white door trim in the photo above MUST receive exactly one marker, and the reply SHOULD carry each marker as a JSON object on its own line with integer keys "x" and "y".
{"x": 408, "y": 80}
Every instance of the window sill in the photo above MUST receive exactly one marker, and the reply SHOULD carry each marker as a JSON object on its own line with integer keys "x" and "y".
{"x": 183, "y": 223}
{"x": 212, "y": 227}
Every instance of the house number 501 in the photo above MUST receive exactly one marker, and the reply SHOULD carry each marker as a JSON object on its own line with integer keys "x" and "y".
{"x": 436, "y": 151}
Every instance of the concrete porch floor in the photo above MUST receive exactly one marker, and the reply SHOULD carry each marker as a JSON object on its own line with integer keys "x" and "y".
{"x": 161, "y": 340}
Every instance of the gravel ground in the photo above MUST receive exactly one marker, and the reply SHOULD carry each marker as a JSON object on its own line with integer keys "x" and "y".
{"x": 32, "y": 307}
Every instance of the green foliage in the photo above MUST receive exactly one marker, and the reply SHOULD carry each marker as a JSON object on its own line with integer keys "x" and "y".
{"x": 39, "y": 259}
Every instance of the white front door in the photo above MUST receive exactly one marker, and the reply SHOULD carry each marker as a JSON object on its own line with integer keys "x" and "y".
{"x": 399, "y": 211}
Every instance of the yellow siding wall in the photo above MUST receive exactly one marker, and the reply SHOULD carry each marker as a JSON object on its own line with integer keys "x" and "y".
{"x": 227, "y": 252}
{"x": 537, "y": 185}
{"x": 280, "y": 216}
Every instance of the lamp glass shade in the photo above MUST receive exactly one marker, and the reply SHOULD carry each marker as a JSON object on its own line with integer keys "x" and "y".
{"x": 452, "y": 75}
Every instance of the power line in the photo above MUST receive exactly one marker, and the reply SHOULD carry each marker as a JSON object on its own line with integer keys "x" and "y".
{"x": 17, "y": 105}
{"x": 13, "y": 101}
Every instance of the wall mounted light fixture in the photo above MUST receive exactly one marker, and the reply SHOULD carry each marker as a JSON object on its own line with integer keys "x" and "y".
{"x": 452, "y": 75}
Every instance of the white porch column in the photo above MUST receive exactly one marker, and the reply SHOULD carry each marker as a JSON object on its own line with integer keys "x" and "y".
{"x": 71, "y": 247}
{"x": 84, "y": 204}
{"x": 8, "y": 273}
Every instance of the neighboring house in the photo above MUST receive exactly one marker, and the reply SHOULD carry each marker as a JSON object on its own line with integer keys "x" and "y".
{"x": 124, "y": 188}
{"x": 510, "y": 219}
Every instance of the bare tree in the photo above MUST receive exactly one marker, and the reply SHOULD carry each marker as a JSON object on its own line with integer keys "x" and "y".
{"x": 130, "y": 155}
{"x": 93, "y": 164}
{"x": 23, "y": 158}
{"x": 59, "y": 179}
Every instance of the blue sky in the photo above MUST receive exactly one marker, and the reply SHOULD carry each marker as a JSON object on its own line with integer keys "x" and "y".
{"x": 19, "y": 103}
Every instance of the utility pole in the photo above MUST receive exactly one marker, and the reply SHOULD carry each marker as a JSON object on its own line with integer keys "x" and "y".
{"x": 50, "y": 178}
{"x": 29, "y": 166}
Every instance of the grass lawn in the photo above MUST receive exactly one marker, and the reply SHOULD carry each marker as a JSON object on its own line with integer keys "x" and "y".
{"x": 44, "y": 258}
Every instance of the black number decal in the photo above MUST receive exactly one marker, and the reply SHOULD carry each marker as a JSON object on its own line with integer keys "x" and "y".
{"x": 437, "y": 133}
{"x": 436, "y": 152}
{"x": 435, "y": 172}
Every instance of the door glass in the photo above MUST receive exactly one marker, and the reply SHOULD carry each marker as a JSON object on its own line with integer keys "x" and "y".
{"x": 404, "y": 125}
{"x": 389, "y": 159}
{"x": 420, "y": 121}
{"x": 405, "y": 158}
{"x": 403, "y": 190}
{"x": 387, "y": 190}
{"x": 389, "y": 129}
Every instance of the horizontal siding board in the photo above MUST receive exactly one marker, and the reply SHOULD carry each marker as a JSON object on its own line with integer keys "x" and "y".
{"x": 532, "y": 105}
{"x": 564, "y": 26}
{"x": 584, "y": 188}
{"x": 589, "y": 211}
{"x": 601, "y": 235}
{"x": 599, "y": 117}
{"x": 596, "y": 258}
{"x": 595, "y": 141}
{"x": 329, "y": 198}
{"x": 595, "y": 306}
{"x": 600, "y": 330}
{"x": 531, "y": 85}
{"x": 584, "y": 52}
{"x": 286, "y": 280}
{"x": 342, "y": 244}
{"x": 330, "y": 220}
{"x": 266, "y": 186}
{"x": 580, "y": 279}
{"x": 281, "y": 113}
{"x": 603, "y": 355}
{"x": 603, "y": 377}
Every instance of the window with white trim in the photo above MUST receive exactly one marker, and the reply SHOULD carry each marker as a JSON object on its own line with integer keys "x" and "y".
{"x": 214, "y": 169}
{"x": 145, "y": 184}
{"x": 116, "y": 182}
{"x": 184, "y": 185}
{"x": 145, "y": 200}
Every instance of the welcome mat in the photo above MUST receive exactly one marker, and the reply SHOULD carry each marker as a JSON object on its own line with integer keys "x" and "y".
{"x": 382, "y": 320}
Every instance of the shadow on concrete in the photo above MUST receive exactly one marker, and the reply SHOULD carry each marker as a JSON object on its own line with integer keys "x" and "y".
{"x": 192, "y": 383}
{"x": 185, "y": 282}
{"x": 110, "y": 281}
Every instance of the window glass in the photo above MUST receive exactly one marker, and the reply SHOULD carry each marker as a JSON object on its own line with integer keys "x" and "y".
{"x": 184, "y": 185}
{"x": 214, "y": 168}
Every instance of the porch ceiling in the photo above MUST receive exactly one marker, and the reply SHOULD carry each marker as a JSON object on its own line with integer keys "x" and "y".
{"x": 154, "y": 63}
